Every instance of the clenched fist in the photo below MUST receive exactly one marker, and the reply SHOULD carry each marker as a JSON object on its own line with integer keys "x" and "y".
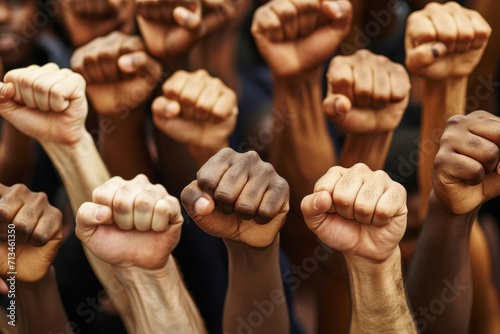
{"x": 119, "y": 73}
{"x": 171, "y": 27}
{"x": 31, "y": 228}
{"x": 46, "y": 103}
{"x": 130, "y": 223}
{"x": 196, "y": 110}
{"x": 358, "y": 212}
{"x": 466, "y": 169}
{"x": 88, "y": 19}
{"x": 445, "y": 41}
{"x": 366, "y": 93}
{"x": 297, "y": 35}
{"x": 238, "y": 197}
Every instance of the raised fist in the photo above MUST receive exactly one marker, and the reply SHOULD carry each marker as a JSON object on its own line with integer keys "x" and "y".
{"x": 294, "y": 36}
{"x": 88, "y": 19}
{"x": 366, "y": 93}
{"x": 130, "y": 223}
{"x": 196, "y": 110}
{"x": 238, "y": 197}
{"x": 46, "y": 103}
{"x": 358, "y": 212}
{"x": 172, "y": 27}
{"x": 466, "y": 169}
{"x": 119, "y": 73}
{"x": 32, "y": 229}
{"x": 445, "y": 40}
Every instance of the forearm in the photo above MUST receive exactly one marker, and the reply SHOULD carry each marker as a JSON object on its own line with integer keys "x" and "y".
{"x": 439, "y": 277}
{"x": 302, "y": 149}
{"x": 124, "y": 146}
{"x": 441, "y": 100}
{"x": 40, "y": 307}
{"x": 82, "y": 170}
{"x": 255, "y": 285}
{"x": 159, "y": 300}
{"x": 370, "y": 149}
{"x": 17, "y": 155}
{"x": 379, "y": 303}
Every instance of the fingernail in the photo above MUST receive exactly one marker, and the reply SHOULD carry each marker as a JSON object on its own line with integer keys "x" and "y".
{"x": 438, "y": 50}
{"x": 200, "y": 205}
{"x": 126, "y": 61}
{"x": 339, "y": 12}
{"x": 101, "y": 212}
{"x": 183, "y": 14}
{"x": 315, "y": 201}
{"x": 171, "y": 108}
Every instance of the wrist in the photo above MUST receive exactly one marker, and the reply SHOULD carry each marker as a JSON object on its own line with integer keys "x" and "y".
{"x": 244, "y": 253}
{"x": 136, "y": 275}
{"x": 201, "y": 154}
{"x": 364, "y": 266}
{"x": 41, "y": 284}
{"x": 313, "y": 74}
{"x": 436, "y": 208}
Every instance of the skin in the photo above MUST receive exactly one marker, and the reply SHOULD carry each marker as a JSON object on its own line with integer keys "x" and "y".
{"x": 362, "y": 214}
{"x": 367, "y": 97}
{"x": 240, "y": 198}
{"x": 121, "y": 77}
{"x": 197, "y": 111}
{"x": 38, "y": 235}
{"x": 85, "y": 20}
{"x": 465, "y": 175}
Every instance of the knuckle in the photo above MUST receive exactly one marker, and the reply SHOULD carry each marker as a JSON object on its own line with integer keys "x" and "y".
{"x": 223, "y": 196}
{"x": 251, "y": 156}
{"x": 121, "y": 205}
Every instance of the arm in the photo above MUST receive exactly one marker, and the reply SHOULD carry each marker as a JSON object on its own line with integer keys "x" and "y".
{"x": 15, "y": 167}
{"x": 121, "y": 77}
{"x": 367, "y": 97}
{"x": 241, "y": 199}
{"x": 135, "y": 235}
{"x": 301, "y": 146}
{"x": 442, "y": 260}
{"x": 443, "y": 43}
{"x": 365, "y": 220}
{"x": 31, "y": 229}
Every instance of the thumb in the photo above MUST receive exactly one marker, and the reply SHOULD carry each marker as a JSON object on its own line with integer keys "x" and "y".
{"x": 336, "y": 107}
{"x": 186, "y": 18}
{"x": 315, "y": 208}
{"x": 138, "y": 62}
{"x": 424, "y": 55}
{"x": 89, "y": 217}
{"x": 7, "y": 91}
{"x": 197, "y": 202}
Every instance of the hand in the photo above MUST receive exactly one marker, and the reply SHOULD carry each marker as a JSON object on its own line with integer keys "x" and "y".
{"x": 238, "y": 197}
{"x": 196, "y": 110}
{"x": 445, "y": 41}
{"x": 366, "y": 93}
{"x": 298, "y": 35}
{"x": 88, "y": 19}
{"x": 466, "y": 169}
{"x": 171, "y": 27}
{"x": 118, "y": 71}
{"x": 358, "y": 212}
{"x": 38, "y": 233}
{"x": 46, "y": 103}
{"x": 130, "y": 223}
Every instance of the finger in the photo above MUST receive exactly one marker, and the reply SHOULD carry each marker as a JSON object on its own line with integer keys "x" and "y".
{"x": 341, "y": 77}
{"x": 465, "y": 30}
{"x": 7, "y": 91}
{"x": 268, "y": 24}
{"x": 191, "y": 91}
{"x": 337, "y": 107}
{"x": 89, "y": 217}
{"x": 175, "y": 84}
{"x": 9, "y": 207}
{"x": 480, "y": 149}
{"x": 446, "y": 28}
{"x": 48, "y": 227}
{"x": 314, "y": 208}
{"x": 26, "y": 220}
{"x": 165, "y": 108}
{"x": 43, "y": 86}
{"x": 27, "y": 88}
{"x": 368, "y": 197}
{"x": 287, "y": 13}
{"x": 105, "y": 193}
{"x": 345, "y": 193}
{"x": 249, "y": 199}
{"x": 425, "y": 55}
{"x": 229, "y": 188}
{"x": 225, "y": 106}
{"x": 186, "y": 18}
{"x": 460, "y": 168}
{"x": 206, "y": 102}
{"x": 420, "y": 30}
{"x": 64, "y": 91}
{"x": 92, "y": 66}
{"x": 275, "y": 201}
{"x": 124, "y": 199}
{"x": 138, "y": 63}
{"x": 212, "y": 171}
{"x": 381, "y": 85}
{"x": 144, "y": 205}
{"x": 399, "y": 82}
{"x": 166, "y": 213}
{"x": 308, "y": 15}
{"x": 328, "y": 181}
{"x": 391, "y": 204}
{"x": 14, "y": 77}
{"x": 196, "y": 202}
{"x": 363, "y": 85}
{"x": 482, "y": 29}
